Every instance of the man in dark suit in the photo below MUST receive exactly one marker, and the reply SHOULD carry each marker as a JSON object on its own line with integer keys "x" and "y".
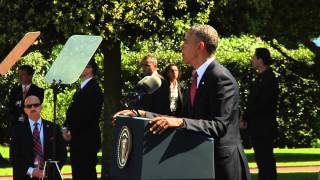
{"x": 32, "y": 143}
{"x": 158, "y": 101}
{"x": 260, "y": 114}
{"x": 19, "y": 92}
{"x": 212, "y": 109}
{"x": 82, "y": 121}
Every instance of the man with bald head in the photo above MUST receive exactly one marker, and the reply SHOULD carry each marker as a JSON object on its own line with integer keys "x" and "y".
{"x": 32, "y": 141}
{"x": 212, "y": 107}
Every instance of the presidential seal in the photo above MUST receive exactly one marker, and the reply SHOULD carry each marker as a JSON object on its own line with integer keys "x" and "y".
{"x": 124, "y": 147}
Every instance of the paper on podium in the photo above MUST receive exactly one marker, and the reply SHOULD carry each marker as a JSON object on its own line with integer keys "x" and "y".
{"x": 73, "y": 58}
{"x": 14, "y": 55}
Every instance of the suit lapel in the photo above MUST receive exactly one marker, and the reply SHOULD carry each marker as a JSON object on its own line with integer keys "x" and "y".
{"x": 30, "y": 90}
{"x": 203, "y": 84}
{"x": 85, "y": 88}
{"x": 28, "y": 133}
{"x": 28, "y": 138}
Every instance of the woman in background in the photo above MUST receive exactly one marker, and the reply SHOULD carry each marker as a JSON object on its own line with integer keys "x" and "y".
{"x": 172, "y": 75}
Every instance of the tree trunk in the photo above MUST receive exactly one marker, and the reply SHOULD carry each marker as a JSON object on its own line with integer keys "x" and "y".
{"x": 112, "y": 93}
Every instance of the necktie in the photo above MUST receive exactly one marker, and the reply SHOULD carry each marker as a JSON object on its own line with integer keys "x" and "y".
{"x": 193, "y": 89}
{"x": 24, "y": 92}
{"x": 37, "y": 148}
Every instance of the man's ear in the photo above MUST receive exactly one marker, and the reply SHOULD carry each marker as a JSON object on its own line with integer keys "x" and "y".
{"x": 201, "y": 45}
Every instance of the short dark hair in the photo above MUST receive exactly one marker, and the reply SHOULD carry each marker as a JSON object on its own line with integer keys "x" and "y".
{"x": 94, "y": 66}
{"x": 149, "y": 56}
{"x": 27, "y": 68}
{"x": 208, "y": 35}
{"x": 264, "y": 54}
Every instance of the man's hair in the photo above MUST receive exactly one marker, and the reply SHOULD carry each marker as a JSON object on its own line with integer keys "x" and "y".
{"x": 167, "y": 69}
{"x": 27, "y": 68}
{"x": 208, "y": 35}
{"x": 264, "y": 54}
{"x": 149, "y": 56}
{"x": 92, "y": 63}
{"x": 28, "y": 96}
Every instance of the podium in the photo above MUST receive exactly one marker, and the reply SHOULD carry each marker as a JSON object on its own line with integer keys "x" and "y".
{"x": 138, "y": 154}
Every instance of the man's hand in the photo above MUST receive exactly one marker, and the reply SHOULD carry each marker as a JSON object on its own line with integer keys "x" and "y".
{"x": 160, "y": 124}
{"x": 67, "y": 135}
{"x": 127, "y": 112}
{"x": 37, "y": 173}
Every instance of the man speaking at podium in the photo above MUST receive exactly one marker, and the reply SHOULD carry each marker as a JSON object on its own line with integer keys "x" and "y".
{"x": 212, "y": 108}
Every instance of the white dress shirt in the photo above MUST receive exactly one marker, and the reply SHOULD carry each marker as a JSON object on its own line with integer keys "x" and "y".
{"x": 202, "y": 69}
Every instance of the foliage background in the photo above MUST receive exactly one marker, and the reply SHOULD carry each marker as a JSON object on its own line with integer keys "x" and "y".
{"x": 299, "y": 107}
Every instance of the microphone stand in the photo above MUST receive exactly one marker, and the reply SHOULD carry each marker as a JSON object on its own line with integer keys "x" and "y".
{"x": 132, "y": 101}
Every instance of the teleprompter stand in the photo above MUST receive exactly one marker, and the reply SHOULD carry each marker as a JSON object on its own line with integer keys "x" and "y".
{"x": 66, "y": 69}
{"x": 51, "y": 168}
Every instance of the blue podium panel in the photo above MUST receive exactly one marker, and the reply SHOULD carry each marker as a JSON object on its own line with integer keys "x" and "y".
{"x": 175, "y": 154}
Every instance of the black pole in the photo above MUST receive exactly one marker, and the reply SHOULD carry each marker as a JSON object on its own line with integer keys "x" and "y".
{"x": 56, "y": 89}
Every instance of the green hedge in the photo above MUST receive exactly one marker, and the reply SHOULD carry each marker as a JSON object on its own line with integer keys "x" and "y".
{"x": 299, "y": 100}
{"x": 299, "y": 107}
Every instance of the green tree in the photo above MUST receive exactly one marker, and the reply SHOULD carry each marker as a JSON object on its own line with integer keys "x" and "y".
{"x": 117, "y": 21}
{"x": 285, "y": 22}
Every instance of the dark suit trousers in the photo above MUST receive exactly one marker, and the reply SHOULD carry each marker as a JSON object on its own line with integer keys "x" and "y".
{"x": 230, "y": 167}
{"x": 263, "y": 150}
{"x": 83, "y": 164}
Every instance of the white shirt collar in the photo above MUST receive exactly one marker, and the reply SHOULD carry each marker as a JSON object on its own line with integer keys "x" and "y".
{"x": 202, "y": 69}
{"x": 26, "y": 86}
{"x": 31, "y": 122}
{"x": 155, "y": 73}
{"x": 85, "y": 82}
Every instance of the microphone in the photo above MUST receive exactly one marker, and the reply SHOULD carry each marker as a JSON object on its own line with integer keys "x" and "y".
{"x": 146, "y": 85}
{"x": 149, "y": 84}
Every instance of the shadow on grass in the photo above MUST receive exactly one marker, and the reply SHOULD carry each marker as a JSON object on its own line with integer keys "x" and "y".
{"x": 99, "y": 160}
{"x": 290, "y": 157}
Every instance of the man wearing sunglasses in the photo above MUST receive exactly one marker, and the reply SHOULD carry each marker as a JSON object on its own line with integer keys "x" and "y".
{"x": 32, "y": 143}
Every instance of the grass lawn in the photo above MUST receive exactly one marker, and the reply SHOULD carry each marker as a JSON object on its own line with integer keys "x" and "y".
{"x": 284, "y": 157}
{"x": 292, "y": 176}
{"x": 291, "y": 157}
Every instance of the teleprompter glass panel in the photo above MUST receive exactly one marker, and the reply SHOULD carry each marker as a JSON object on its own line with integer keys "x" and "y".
{"x": 73, "y": 58}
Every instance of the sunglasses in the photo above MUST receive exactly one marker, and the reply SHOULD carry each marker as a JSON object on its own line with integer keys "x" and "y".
{"x": 28, "y": 106}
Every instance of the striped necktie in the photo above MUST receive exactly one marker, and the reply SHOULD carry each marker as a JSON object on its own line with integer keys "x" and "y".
{"x": 24, "y": 91}
{"x": 37, "y": 148}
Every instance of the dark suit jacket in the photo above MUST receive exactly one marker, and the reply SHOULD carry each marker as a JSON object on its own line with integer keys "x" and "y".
{"x": 16, "y": 103}
{"x": 261, "y": 110}
{"x": 82, "y": 118}
{"x": 179, "y": 107}
{"x": 216, "y": 114}
{"x": 158, "y": 101}
{"x": 21, "y": 148}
